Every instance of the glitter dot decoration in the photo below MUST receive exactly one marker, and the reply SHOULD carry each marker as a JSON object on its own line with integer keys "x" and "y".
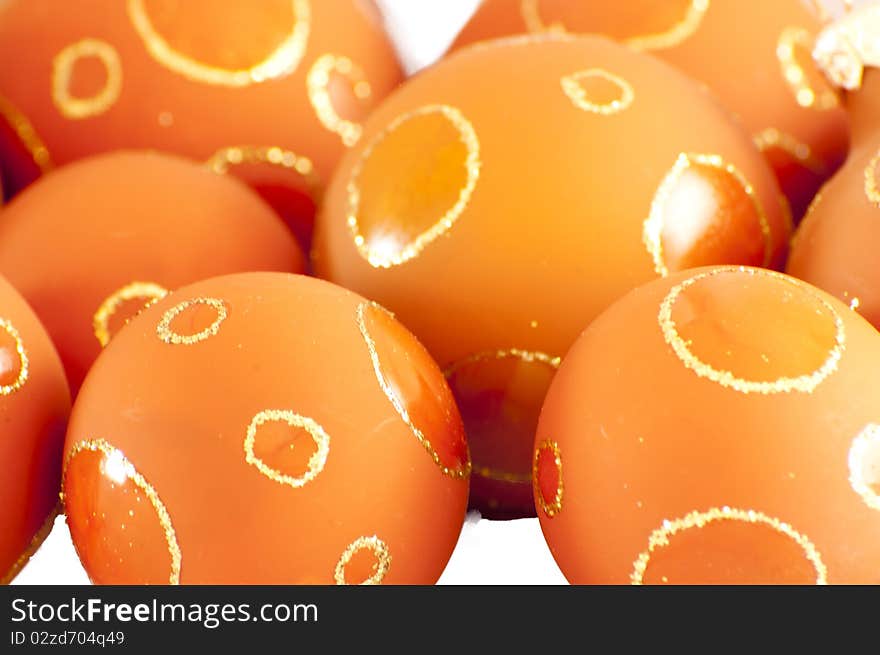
{"x": 108, "y": 249}
{"x": 463, "y": 202}
{"x": 34, "y": 407}
{"x": 296, "y": 75}
{"x": 163, "y": 494}
{"x": 835, "y": 246}
{"x": 752, "y": 461}
{"x": 769, "y": 80}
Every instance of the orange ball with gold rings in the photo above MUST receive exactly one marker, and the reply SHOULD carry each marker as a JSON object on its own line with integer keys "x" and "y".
{"x": 503, "y": 198}
{"x": 720, "y": 426}
{"x": 272, "y": 91}
{"x": 754, "y": 55}
{"x": 835, "y": 247}
{"x": 34, "y": 407}
{"x": 90, "y": 244}
{"x": 265, "y": 428}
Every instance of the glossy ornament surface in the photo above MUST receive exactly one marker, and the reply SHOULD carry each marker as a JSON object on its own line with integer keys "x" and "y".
{"x": 265, "y": 429}
{"x": 34, "y": 407}
{"x": 716, "y": 427}
{"x": 754, "y": 55}
{"x": 89, "y": 245}
{"x": 272, "y": 91}
{"x": 504, "y": 197}
{"x": 835, "y": 248}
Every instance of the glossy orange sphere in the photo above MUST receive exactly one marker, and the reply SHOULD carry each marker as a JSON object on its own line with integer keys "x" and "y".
{"x": 265, "y": 429}
{"x": 864, "y": 107}
{"x": 273, "y": 91}
{"x": 754, "y": 55}
{"x": 836, "y": 246}
{"x": 719, "y": 426}
{"x": 91, "y": 243}
{"x": 504, "y": 197}
{"x": 34, "y": 406}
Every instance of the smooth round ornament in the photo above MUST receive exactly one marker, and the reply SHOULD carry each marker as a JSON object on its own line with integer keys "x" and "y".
{"x": 835, "y": 248}
{"x": 89, "y": 245}
{"x": 265, "y": 429}
{"x": 504, "y": 197}
{"x": 273, "y": 91}
{"x": 754, "y": 55}
{"x": 34, "y": 407}
{"x": 716, "y": 427}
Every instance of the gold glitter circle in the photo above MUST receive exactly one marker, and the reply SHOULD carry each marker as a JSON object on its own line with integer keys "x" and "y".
{"x": 316, "y": 461}
{"x": 804, "y": 383}
{"x": 574, "y": 89}
{"x": 283, "y": 61}
{"x": 867, "y": 443}
{"x": 131, "y": 473}
{"x": 62, "y": 73}
{"x": 226, "y": 158}
{"x": 456, "y": 473}
{"x": 553, "y": 508}
{"x": 871, "y": 188}
{"x": 794, "y": 74}
{"x": 660, "y": 537}
{"x": 101, "y": 321}
{"x": 23, "y": 372}
{"x": 652, "y": 233}
{"x": 670, "y": 38}
{"x": 166, "y": 334}
{"x": 318, "y": 84}
{"x": 412, "y": 249}
{"x": 380, "y": 569}
{"x": 798, "y": 150}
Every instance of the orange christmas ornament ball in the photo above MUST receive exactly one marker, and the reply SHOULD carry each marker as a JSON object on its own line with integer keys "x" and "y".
{"x": 34, "y": 406}
{"x": 754, "y": 55}
{"x": 273, "y": 91}
{"x": 265, "y": 429}
{"x": 89, "y": 245}
{"x": 836, "y": 246}
{"x": 719, "y": 426}
{"x": 503, "y": 198}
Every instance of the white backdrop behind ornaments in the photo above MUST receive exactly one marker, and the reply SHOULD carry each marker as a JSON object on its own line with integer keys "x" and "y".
{"x": 488, "y": 552}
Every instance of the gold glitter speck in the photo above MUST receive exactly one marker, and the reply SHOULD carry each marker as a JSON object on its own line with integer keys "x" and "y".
{"x": 149, "y": 291}
{"x": 316, "y": 461}
{"x": 552, "y": 508}
{"x": 380, "y": 569}
{"x": 864, "y": 465}
{"x": 23, "y": 371}
{"x": 166, "y": 334}
{"x": 318, "y": 83}
{"x": 661, "y": 536}
{"x": 62, "y": 74}
{"x": 573, "y": 86}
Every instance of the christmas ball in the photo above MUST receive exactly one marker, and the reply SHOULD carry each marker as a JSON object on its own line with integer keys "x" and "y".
{"x": 720, "y": 427}
{"x": 265, "y": 429}
{"x": 835, "y": 248}
{"x": 503, "y": 198}
{"x": 273, "y": 91}
{"x": 34, "y": 406}
{"x": 89, "y": 245}
{"x": 754, "y": 55}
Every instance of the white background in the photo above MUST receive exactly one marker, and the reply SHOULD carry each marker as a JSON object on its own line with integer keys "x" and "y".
{"x": 489, "y": 552}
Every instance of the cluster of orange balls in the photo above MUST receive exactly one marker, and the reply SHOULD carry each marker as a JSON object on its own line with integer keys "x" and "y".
{"x": 551, "y": 284}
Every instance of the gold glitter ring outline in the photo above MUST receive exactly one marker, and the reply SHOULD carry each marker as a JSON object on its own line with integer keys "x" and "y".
{"x": 27, "y": 135}
{"x": 553, "y": 508}
{"x": 871, "y": 188}
{"x": 468, "y": 137}
{"x": 164, "y": 332}
{"x": 62, "y": 73}
{"x": 865, "y": 439}
{"x": 672, "y": 37}
{"x": 798, "y": 150}
{"x": 283, "y": 61}
{"x": 225, "y": 158}
{"x": 571, "y": 85}
{"x": 24, "y": 371}
{"x": 101, "y": 321}
{"x": 380, "y": 569}
{"x": 794, "y": 74}
{"x": 131, "y": 473}
{"x": 318, "y": 82}
{"x": 652, "y": 232}
{"x": 456, "y": 473}
{"x": 33, "y": 546}
{"x": 317, "y": 460}
{"x": 660, "y": 537}
{"x": 804, "y": 383}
